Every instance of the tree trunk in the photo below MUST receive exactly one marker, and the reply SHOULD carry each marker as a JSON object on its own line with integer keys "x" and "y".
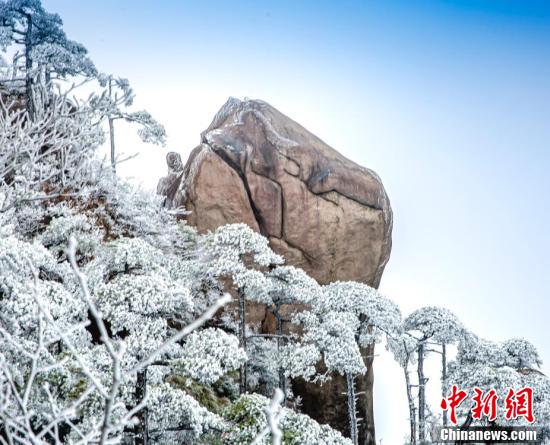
{"x": 352, "y": 408}
{"x": 421, "y": 395}
{"x": 142, "y": 429}
{"x": 412, "y": 410}
{"x": 242, "y": 340}
{"x": 112, "y": 139}
{"x": 367, "y": 427}
{"x": 282, "y": 377}
{"x": 112, "y": 134}
{"x": 465, "y": 426}
{"x": 31, "y": 109}
{"x": 444, "y": 377}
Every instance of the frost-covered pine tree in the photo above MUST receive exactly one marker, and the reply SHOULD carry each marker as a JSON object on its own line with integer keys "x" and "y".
{"x": 404, "y": 349}
{"x": 288, "y": 286}
{"x": 511, "y": 364}
{"x": 346, "y": 317}
{"x": 112, "y": 104}
{"x": 41, "y": 50}
{"x": 238, "y": 253}
{"x": 431, "y": 326}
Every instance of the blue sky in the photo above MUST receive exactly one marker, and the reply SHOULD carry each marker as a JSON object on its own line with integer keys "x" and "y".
{"x": 448, "y": 101}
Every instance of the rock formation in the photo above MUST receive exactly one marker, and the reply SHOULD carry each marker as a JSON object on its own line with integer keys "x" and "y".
{"x": 321, "y": 211}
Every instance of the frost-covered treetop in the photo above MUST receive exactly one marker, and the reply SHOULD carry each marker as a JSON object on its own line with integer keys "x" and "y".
{"x": 248, "y": 415}
{"x": 500, "y": 366}
{"x": 520, "y": 353}
{"x": 378, "y": 314}
{"x": 114, "y": 99}
{"x": 64, "y": 57}
{"x": 332, "y": 336}
{"x": 172, "y": 407}
{"x": 49, "y": 43}
{"x": 66, "y": 222}
{"x": 516, "y": 353}
{"x": 127, "y": 255}
{"x": 136, "y": 293}
{"x": 343, "y": 317}
{"x": 403, "y": 347}
{"x": 237, "y": 240}
{"x": 227, "y": 249}
{"x": 281, "y": 285}
{"x": 335, "y": 336}
{"x": 209, "y": 354}
{"x": 435, "y": 323}
{"x": 473, "y": 349}
{"x": 288, "y": 284}
{"x": 20, "y": 259}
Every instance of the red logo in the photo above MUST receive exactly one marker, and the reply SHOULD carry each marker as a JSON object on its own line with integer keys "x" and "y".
{"x": 518, "y": 404}
{"x": 485, "y": 405}
{"x": 453, "y": 402}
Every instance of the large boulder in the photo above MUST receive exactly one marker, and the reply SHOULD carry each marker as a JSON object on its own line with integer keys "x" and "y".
{"x": 321, "y": 211}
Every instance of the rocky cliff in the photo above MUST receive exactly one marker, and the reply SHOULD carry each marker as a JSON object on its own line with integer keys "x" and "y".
{"x": 321, "y": 211}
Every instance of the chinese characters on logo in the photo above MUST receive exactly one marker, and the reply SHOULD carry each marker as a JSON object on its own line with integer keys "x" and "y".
{"x": 517, "y": 403}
